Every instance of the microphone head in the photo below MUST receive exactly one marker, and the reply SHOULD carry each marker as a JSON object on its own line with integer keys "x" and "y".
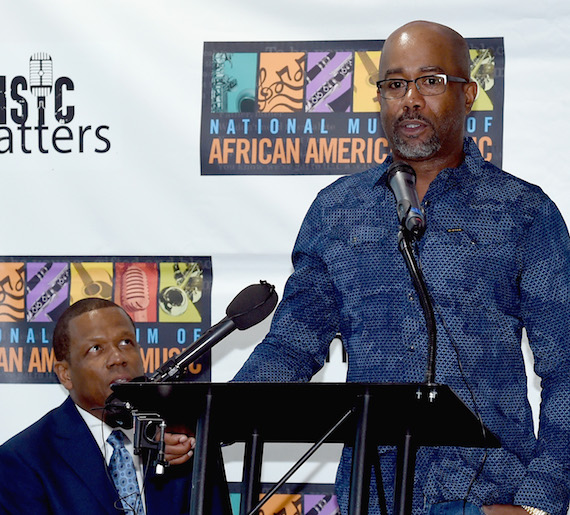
{"x": 118, "y": 413}
{"x": 402, "y": 181}
{"x": 401, "y": 167}
{"x": 252, "y": 305}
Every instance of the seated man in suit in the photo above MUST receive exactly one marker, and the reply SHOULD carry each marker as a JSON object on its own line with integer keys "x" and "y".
{"x": 69, "y": 462}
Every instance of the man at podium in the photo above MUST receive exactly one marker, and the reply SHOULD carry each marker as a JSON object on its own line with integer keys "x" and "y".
{"x": 496, "y": 259}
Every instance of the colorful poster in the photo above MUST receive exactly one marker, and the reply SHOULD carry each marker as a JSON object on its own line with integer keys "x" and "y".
{"x": 290, "y": 108}
{"x": 169, "y": 299}
{"x": 292, "y": 499}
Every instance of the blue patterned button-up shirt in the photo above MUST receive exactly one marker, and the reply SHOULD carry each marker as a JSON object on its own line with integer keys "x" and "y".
{"x": 496, "y": 258}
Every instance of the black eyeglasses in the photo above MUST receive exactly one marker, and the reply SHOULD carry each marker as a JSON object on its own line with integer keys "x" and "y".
{"x": 428, "y": 85}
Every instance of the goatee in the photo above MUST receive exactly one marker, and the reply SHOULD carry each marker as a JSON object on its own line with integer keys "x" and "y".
{"x": 411, "y": 148}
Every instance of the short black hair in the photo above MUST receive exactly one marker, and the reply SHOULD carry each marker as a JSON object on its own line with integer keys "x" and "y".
{"x": 60, "y": 340}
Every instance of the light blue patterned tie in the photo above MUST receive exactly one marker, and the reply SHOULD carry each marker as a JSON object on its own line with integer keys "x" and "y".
{"x": 122, "y": 471}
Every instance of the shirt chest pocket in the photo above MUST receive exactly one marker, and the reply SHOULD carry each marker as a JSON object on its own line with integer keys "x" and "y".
{"x": 366, "y": 261}
{"x": 471, "y": 257}
{"x": 362, "y": 239}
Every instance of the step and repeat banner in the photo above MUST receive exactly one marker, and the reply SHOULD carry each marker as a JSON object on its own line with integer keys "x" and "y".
{"x": 164, "y": 156}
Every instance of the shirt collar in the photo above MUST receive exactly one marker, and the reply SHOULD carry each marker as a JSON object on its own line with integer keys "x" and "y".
{"x": 101, "y": 431}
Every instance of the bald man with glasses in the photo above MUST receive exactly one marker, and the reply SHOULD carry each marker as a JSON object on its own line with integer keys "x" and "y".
{"x": 496, "y": 259}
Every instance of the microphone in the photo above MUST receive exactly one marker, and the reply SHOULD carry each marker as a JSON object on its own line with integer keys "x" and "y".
{"x": 402, "y": 182}
{"x": 252, "y": 305}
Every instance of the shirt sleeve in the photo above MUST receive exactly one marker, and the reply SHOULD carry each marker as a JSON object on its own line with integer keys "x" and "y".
{"x": 306, "y": 320}
{"x": 545, "y": 309}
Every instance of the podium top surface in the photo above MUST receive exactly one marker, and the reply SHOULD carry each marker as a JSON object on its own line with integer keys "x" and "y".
{"x": 304, "y": 412}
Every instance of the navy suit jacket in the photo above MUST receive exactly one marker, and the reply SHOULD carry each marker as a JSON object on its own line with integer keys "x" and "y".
{"x": 55, "y": 466}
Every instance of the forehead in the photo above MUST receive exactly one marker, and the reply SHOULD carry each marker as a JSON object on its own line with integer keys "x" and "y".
{"x": 99, "y": 323}
{"x": 419, "y": 50}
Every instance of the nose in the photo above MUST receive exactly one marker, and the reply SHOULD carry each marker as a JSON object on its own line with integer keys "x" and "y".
{"x": 413, "y": 99}
{"x": 115, "y": 357}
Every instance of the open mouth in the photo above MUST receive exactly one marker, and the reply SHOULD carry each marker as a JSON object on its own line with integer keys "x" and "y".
{"x": 119, "y": 380}
{"x": 412, "y": 128}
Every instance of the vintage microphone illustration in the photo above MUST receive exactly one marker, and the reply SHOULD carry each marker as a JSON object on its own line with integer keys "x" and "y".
{"x": 41, "y": 81}
{"x": 134, "y": 293}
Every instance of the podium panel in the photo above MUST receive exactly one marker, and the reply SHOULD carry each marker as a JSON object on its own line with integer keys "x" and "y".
{"x": 238, "y": 408}
{"x": 405, "y": 415}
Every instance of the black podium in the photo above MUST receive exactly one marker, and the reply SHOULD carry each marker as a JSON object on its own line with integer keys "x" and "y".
{"x": 361, "y": 415}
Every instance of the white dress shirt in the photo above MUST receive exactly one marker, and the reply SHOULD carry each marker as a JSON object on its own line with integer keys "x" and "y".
{"x": 101, "y": 432}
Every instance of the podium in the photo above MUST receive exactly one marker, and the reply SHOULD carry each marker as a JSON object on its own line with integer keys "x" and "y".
{"x": 361, "y": 415}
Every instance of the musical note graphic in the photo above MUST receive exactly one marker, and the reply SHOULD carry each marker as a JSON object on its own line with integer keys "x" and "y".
{"x": 12, "y": 292}
{"x": 281, "y": 76}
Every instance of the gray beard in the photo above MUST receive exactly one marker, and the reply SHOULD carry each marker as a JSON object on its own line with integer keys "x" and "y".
{"x": 407, "y": 149}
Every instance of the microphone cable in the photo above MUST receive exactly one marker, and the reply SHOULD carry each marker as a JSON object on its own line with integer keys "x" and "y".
{"x": 477, "y": 411}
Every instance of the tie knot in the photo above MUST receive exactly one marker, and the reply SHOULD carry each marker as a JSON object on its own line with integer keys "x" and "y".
{"x": 116, "y": 439}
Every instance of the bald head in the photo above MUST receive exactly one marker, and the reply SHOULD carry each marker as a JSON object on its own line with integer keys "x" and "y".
{"x": 424, "y": 127}
{"x": 450, "y": 45}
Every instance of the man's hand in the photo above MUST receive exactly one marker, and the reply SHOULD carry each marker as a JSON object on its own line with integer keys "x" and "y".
{"x": 178, "y": 448}
{"x": 504, "y": 509}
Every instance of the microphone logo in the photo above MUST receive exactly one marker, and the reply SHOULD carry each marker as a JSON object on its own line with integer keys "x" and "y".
{"x": 41, "y": 81}
{"x": 135, "y": 293}
{"x": 57, "y": 126}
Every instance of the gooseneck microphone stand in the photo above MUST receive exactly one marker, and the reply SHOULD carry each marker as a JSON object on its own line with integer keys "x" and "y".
{"x": 406, "y": 239}
{"x": 405, "y": 465}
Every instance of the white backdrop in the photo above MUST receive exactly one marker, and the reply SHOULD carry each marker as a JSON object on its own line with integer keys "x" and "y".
{"x": 136, "y": 68}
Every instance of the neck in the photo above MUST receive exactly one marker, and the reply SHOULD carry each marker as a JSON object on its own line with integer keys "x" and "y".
{"x": 427, "y": 170}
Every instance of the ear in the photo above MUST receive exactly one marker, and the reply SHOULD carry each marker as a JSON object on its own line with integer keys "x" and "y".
{"x": 471, "y": 92}
{"x": 61, "y": 368}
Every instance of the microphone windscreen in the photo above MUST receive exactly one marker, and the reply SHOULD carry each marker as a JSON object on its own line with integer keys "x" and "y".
{"x": 399, "y": 166}
{"x": 252, "y": 305}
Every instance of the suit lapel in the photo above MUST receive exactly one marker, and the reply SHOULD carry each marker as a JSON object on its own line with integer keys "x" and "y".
{"x": 74, "y": 442}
